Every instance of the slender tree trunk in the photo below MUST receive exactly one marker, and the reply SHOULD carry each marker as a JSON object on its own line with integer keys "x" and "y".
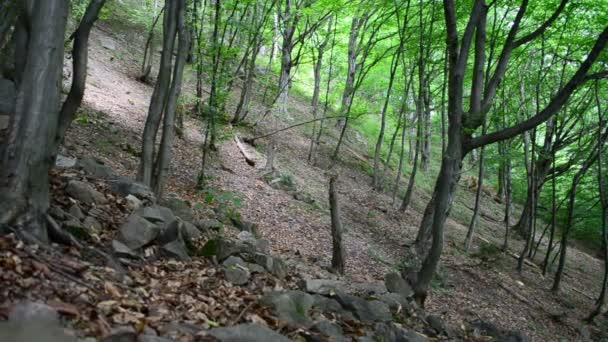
{"x": 159, "y": 98}
{"x": 146, "y": 65}
{"x": 80, "y": 54}
{"x": 163, "y": 161}
{"x": 337, "y": 260}
{"x": 473, "y": 223}
{"x": 379, "y": 141}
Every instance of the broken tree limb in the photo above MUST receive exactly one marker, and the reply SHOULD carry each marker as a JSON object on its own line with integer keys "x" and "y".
{"x": 248, "y": 157}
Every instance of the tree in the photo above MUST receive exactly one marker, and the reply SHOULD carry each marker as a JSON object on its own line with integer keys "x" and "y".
{"x": 461, "y": 123}
{"x": 154, "y": 167}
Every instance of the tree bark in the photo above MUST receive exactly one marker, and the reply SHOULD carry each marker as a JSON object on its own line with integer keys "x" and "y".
{"x": 337, "y": 260}
{"x": 26, "y": 156}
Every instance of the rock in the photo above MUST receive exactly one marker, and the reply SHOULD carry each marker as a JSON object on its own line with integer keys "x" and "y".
{"x": 273, "y": 265}
{"x": 96, "y": 168}
{"x": 366, "y": 311}
{"x": 108, "y": 43}
{"x": 152, "y": 338}
{"x": 4, "y": 122}
{"x": 57, "y": 213}
{"x": 233, "y": 261}
{"x": 124, "y": 187}
{"x": 63, "y": 162}
{"x": 190, "y": 232}
{"x": 133, "y": 202}
{"x": 237, "y": 274}
{"x": 77, "y": 229}
{"x": 180, "y": 208}
{"x": 321, "y": 286}
{"x": 28, "y": 321}
{"x": 222, "y": 248}
{"x": 76, "y": 212}
{"x": 395, "y": 284}
{"x": 391, "y": 332}
{"x": 245, "y": 226}
{"x": 247, "y": 333}
{"x": 331, "y": 330}
{"x": 395, "y": 301}
{"x": 209, "y": 225}
{"x": 121, "y": 334}
{"x": 7, "y": 101}
{"x": 92, "y": 224}
{"x": 437, "y": 324}
{"x": 172, "y": 328}
{"x": 157, "y": 214}
{"x": 325, "y": 304}
{"x": 122, "y": 250}
{"x": 290, "y": 306}
{"x": 33, "y": 311}
{"x": 138, "y": 232}
{"x": 246, "y": 236}
{"x": 370, "y": 289}
{"x": 176, "y": 249}
{"x": 490, "y": 329}
{"x": 85, "y": 193}
{"x": 169, "y": 233}
{"x": 255, "y": 268}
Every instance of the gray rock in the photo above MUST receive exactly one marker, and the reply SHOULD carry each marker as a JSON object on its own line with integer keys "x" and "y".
{"x": 321, "y": 286}
{"x": 180, "y": 208}
{"x": 64, "y": 162}
{"x": 331, "y": 330}
{"x": 7, "y": 99}
{"x": 96, "y": 168}
{"x": 76, "y": 212}
{"x": 392, "y": 332}
{"x": 33, "y": 311}
{"x": 246, "y": 236}
{"x": 190, "y": 232}
{"x": 4, "y": 122}
{"x": 366, "y": 311}
{"x": 291, "y": 306}
{"x": 255, "y": 268}
{"x": 85, "y": 193}
{"x": 169, "y": 233}
{"x": 91, "y": 224}
{"x": 121, "y": 334}
{"x": 437, "y": 324}
{"x": 133, "y": 202}
{"x": 209, "y": 225}
{"x": 176, "y": 249}
{"x": 108, "y": 43}
{"x": 500, "y": 335}
{"x": 273, "y": 265}
{"x": 395, "y": 301}
{"x": 157, "y": 214}
{"x": 325, "y": 304}
{"x": 223, "y": 248}
{"x": 124, "y": 187}
{"x": 180, "y": 328}
{"x": 57, "y": 212}
{"x": 247, "y": 333}
{"x": 245, "y": 226}
{"x": 237, "y": 274}
{"x": 28, "y": 321}
{"x": 234, "y": 261}
{"x": 122, "y": 250}
{"x": 138, "y": 232}
{"x": 395, "y": 284}
{"x": 77, "y": 229}
{"x": 152, "y": 338}
{"x": 370, "y": 289}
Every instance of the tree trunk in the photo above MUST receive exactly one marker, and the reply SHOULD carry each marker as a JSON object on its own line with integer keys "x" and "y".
{"x": 26, "y": 156}
{"x": 80, "y": 57}
{"x": 159, "y": 97}
{"x": 163, "y": 161}
{"x": 337, "y": 260}
{"x": 473, "y": 223}
{"x": 379, "y": 141}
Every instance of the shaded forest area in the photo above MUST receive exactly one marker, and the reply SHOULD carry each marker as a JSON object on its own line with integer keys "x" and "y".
{"x": 305, "y": 169}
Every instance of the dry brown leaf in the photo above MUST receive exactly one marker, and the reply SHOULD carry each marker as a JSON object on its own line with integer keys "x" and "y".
{"x": 112, "y": 290}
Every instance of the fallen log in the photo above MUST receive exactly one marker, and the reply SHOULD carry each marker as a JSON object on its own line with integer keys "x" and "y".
{"x": 248, "y": 157}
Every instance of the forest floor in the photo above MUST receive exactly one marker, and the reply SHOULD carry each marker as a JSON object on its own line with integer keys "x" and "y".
{"x": 475, "y": 285}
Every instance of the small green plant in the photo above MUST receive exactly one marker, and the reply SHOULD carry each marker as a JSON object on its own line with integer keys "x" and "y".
{"x": 487, "y": 251}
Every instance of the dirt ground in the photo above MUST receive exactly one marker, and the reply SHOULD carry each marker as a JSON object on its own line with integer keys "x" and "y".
{"x": 377, "y": 235}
